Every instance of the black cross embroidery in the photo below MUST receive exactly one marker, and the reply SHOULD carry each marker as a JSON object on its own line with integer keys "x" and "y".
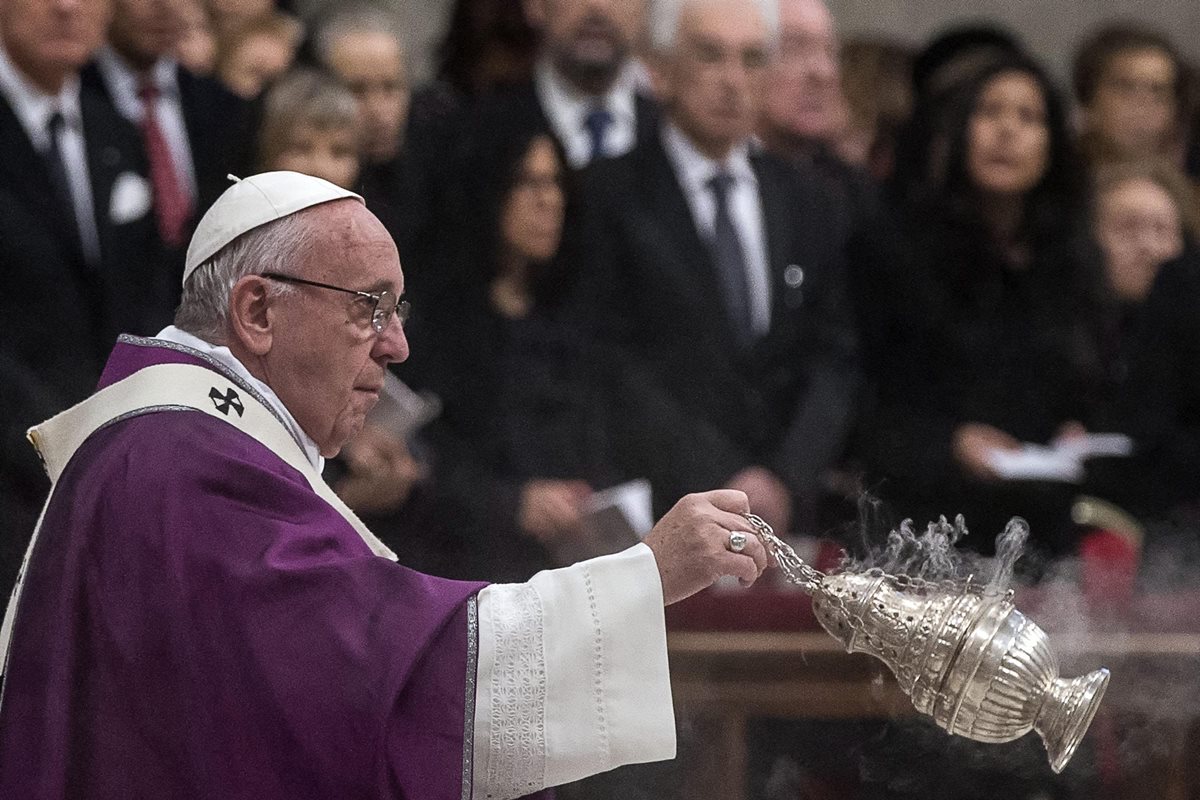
{"x": 226, "y": 401}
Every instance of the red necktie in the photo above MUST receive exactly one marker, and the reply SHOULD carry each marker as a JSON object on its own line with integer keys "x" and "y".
{"x": 172, "y": 203}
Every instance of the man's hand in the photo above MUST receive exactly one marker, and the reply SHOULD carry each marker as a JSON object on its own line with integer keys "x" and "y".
{"x": 691, "y": 544}
{"x": 552, "y": 510}
{"x": 769, "y": 498}
{"x": 974, "y": 442}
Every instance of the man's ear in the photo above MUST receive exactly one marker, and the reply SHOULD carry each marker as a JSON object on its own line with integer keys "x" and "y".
{"x": 251, "y": 318}
{"x": 536, "y": 12}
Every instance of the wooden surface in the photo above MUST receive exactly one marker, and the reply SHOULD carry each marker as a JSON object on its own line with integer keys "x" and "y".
{"x": 722, "y": 679}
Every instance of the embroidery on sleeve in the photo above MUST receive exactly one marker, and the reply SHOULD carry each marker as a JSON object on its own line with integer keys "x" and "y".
{"x": 517, "y": 752}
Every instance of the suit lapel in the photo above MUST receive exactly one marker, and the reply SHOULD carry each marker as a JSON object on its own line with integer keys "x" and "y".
{"x": 107, "y": 144}
{"x": 691, "y": 257}
{"x": 23, "y": 172}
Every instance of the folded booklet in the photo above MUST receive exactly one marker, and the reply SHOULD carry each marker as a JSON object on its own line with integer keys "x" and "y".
{"x": 1061, "y": 461}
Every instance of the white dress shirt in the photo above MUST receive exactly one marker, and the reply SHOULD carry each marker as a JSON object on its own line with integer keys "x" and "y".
{"x": 567, "y": 108}
{"x": 123, "y": 84}
{"x": 33, "y": 109}
{"x": 694, "y": 170}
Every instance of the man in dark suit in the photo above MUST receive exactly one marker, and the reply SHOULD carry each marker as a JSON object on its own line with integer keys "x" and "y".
{"x": 194, "y": 131}
{"x": 585, "y": 81}
{"x": 720, "y": 268}
{"x": 80, "y": 260}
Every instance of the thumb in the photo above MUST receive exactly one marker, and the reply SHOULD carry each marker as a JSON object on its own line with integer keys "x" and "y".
{"x": 731, "y": 500}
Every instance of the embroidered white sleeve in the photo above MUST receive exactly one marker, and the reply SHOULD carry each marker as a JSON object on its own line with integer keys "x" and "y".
{"x": 573, "y": 676}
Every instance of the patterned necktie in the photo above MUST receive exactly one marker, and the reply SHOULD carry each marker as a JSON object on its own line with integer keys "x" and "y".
{"x": 597, "y": 122}
{"x": 59, "y": 180}
{"x": 730, "y": 259}
{"x": 172, "y": 204}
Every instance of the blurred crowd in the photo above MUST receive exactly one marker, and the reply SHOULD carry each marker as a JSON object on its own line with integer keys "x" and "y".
{"x": 693, "y": 243}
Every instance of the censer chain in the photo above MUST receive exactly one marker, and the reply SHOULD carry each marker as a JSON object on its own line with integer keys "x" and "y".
{"x": 793, "y": 567}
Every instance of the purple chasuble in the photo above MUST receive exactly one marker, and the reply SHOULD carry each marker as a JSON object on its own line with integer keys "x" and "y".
{"x": 197, "y": 623}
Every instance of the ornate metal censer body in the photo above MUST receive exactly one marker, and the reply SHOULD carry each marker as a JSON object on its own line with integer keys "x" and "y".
{"x": 966, "y": 657}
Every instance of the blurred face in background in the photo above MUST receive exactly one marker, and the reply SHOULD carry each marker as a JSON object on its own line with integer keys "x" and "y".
{"x": 324, "y": 152}
{"x": 197, "y": 46}
{"x": 804, "y": 98}
{"x": 256, "y": 60}
{"x": 144, "y": 30}
{"x": 1134, "y": 105}
{"x": 532, "y": 218}
{"x": 1008, "y": 139}
{"x": 48, "y": 40}
{"x": 371, "y": 64}
{"x": 711, "y": 81}
{"x": 588, "y": 41}
{"x": 229, "y": 15}
{"x": 1139, "y": 227}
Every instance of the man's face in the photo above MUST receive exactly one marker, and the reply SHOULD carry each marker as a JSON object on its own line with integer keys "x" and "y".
{"x": 325, "y": 361}
{"x": 1134, "y": 105}
{"x": 588, "y": 40}
{"x": 51, "y": 39}
{"x": 145, "y": 30}
{"x": 711, "y": 82}
{"x": 372, "y": 65}
{"x": 804, "y": 98}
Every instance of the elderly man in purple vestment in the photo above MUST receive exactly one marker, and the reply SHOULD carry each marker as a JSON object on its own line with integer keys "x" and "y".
{"x": 199, "y": 616}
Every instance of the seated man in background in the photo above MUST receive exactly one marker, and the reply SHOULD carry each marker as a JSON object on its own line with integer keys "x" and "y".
{"x": 720, "y": 270}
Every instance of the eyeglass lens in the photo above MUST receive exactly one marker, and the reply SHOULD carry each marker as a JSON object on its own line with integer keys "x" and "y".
{"x": 387, "y": 305}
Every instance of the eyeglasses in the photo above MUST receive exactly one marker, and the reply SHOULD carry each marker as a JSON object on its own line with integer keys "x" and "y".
{"x": 385, "y": 304}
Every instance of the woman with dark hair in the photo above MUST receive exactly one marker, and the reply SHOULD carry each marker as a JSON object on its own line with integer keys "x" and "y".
{"x": 986, "y": 309}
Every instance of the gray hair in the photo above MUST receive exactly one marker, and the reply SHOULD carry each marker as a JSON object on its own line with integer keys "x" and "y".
{"x": 355, "y": 18}
{"x": 665, "y": 14}
{"x": 273, "y": 247}
{"x": 303, "y": 97}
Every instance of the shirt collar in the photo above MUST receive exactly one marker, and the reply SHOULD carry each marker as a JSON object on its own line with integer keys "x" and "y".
{"x": 123, "y": 81}
{"x": 570, "y": 106}
{"x": 695, "y": 169}
{"x": 34, "y": 107}
{"x": 225, "y": 356}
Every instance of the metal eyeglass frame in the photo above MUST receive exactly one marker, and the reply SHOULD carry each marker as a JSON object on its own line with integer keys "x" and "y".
{"x": 380, "y": 316}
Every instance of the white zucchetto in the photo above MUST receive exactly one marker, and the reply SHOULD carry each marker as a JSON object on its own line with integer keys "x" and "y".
{"x": 252, "y": 202}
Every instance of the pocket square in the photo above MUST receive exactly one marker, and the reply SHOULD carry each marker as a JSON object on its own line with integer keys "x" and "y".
{"x": 131, "y": 198}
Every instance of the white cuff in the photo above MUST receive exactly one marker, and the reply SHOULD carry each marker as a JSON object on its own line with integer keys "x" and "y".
{"x": 591, "y": 688}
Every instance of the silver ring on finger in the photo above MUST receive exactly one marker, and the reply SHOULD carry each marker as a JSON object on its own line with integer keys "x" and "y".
{"x": 737, "y": 541}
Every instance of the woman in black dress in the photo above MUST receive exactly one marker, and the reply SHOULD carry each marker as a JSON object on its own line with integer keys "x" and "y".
{"x": 985, "y": 304}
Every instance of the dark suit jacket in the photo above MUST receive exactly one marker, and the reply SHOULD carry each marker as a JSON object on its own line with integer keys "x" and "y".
{"x": 62, "y": 315}
{"x": 505, "y": 108}
{"x": 652, "y": 284}
{"x": 220, "y": 130}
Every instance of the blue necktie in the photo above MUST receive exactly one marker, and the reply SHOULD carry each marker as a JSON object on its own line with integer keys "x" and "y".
{"x": 730, "y": 259}
{"x": 597, "y": 122}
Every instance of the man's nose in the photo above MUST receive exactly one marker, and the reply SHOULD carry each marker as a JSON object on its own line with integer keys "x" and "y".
{"x": 392, "y": 343}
